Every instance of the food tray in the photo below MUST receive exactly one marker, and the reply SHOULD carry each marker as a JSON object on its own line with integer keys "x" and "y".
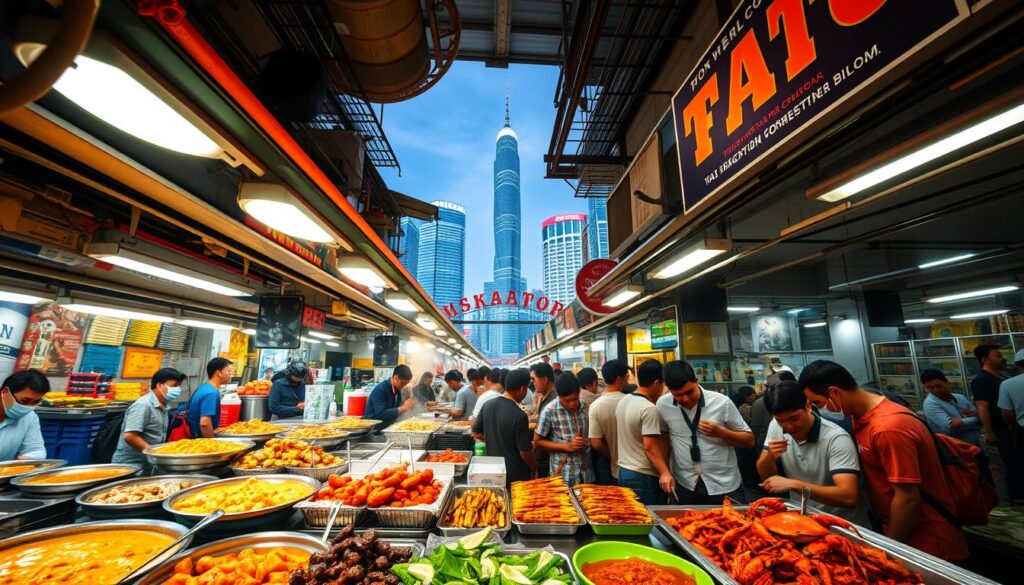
{"x": 241, "y": 520}
{"x": 415, "y": 517}
{"x": 933, "y": 571}
{"x": 550, "y": 529}
{"x": 260, "y": 540}
{"x": 358, "y": 431}
{"x": 451, "y": 427}
{"x": 460, "y": 468}
{"x": 461, "y": 489}
{"x": 197, "y": 461}
{"x": 257, "y": 471}
{"x": 607, "y": 529}
{"x": 319, "y": 473}
{"x": 39, "y": 464}
{"x": 316, "y": 514}
{"x": 340, "y": 437}
{"x": 72, "y": 487}
{"x": 414, "y": 439}
{"x": 256, "y": 437}
{"x": 111, "y": 511}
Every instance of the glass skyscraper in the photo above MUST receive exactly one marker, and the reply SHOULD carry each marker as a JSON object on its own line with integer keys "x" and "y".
{"x": 409, "y": 245}
{"x": 562, "y": 245}
{"x": 442, "y": 254}
{"x": 597, "y": 228}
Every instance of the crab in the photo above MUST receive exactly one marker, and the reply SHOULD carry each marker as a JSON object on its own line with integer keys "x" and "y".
{"x": 797, "y": 527}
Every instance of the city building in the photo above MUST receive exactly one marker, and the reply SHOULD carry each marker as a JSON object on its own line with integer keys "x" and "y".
{"x": 562, "y": 245}
{"x": 596, "y": 244}
{"x": 408, "y": 245}
{"x": 442, "y": 254}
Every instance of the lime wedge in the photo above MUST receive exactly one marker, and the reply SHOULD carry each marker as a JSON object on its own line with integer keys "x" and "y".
{"x": 472, "y": 541}
{"x": 488, "y": 568}
{"x": 514, "y": 575}
{"x": 422, "y": 571}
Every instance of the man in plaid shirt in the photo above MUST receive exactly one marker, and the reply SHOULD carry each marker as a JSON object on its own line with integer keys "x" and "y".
{"x": 562, "y": 431}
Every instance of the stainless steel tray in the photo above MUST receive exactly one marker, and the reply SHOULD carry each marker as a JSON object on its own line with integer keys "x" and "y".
{"x": 316, "y": 514}
{"x": 612, "y": 529}
{"x": 338, "y": 438}
{"x": 260, "y": 540}
{"x": 460, "y": 468}
{"x": 551, "y": 529}
{"x": 31, "y": 464}
{"x": 450, "y": 506}
{"x": 197, "y": 461}
{"x": 319, "y": 473}
{"x": 105, "y": 511}
{"x": 414, "y": 439}
{"x": 191, "y": 518}
{"x": 49, "y": 489}
{"x": 256, "y": 437}
{"x": 933, "y": 571}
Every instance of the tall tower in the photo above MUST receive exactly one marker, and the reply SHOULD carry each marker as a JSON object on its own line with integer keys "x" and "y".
{"x": 409, "y": 244}
{"x": 597, "y": 228}
{"x": 442, "y": 254}
{"x": 562, "y": 245}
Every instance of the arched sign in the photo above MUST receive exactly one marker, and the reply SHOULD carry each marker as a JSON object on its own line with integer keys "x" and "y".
{"x": 498, "y": 298}
{"x": 592, "y": 272}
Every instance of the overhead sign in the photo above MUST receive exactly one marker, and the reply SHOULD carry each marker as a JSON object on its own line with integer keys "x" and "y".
{"x": 563, "y": 217}
{"x": 664, "y": 328}
{"x": 511, "y": 298}
{"x": 592, "y": 272}
{"x": 776, "y": 68}
{"x": 313, "y": 318}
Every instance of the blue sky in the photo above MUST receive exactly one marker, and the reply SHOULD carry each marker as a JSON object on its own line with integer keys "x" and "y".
{"x": 444, "y": 140}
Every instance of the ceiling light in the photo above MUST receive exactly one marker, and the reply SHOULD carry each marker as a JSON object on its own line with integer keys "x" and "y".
{"x": 359, "y": 269}
{"x": 815, "y": 324}
{"x": 425, "y": 321}
{"x": 980, "y": 314}
{"x": 918, "y": 320}
{"x": 400, "y": 302}
{"x": 935, "y": 263}
{"x": 28, "y": 299}
{"x": 795, "y": 311}
{"x": 309, "y": 341}
{"x": 249, "y": 332}
{"x": 440, "y": 333}
{"x": 321, "y": 335}
{"x": 972, "y": 294}
{"x": 620, "y": 296}
{"x": 743, "y": 309}
{"x": 411, "y": 345}
{"x": 332, "y": 344}
{"x": 912, "y": 160}
{"x": 115, "y": 312}
{"x": 126, "y": 257}
{"x": 429, "y": 345}
{"x": 371, "y": 345}
{"x": 274, "y": 205}
{"x": 693, "y": 257}
{"x": 203, "y": 324}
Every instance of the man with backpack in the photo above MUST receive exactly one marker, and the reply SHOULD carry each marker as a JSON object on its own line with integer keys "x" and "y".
{"x": 906, "y": 481}
{"x": 145, "y": 421}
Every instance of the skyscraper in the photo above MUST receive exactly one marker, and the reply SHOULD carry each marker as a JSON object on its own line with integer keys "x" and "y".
{"x": 597, "y": 228}
{"x": 442, "y": 254}
{"x": 409, "y": 244}
{"x": 562, "y": 245}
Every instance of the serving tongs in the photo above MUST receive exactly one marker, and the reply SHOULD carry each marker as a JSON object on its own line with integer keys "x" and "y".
{"x": 335, "y": 508}
{"x": 163, "y": 554}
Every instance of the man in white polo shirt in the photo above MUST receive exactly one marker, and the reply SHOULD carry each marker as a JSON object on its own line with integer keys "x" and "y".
{"x": 703, "y": 429}
{"x": 802, "y": 449}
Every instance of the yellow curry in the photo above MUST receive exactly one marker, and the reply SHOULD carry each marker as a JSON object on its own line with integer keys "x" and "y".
{"x": 252, "y": 494}
{"x": 80, "y": 476}
{"x": 81, "y": 559}
{"x": 6, "y": 470}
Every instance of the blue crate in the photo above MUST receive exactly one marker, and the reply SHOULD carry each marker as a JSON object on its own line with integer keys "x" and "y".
{"x": 70, "y": 439}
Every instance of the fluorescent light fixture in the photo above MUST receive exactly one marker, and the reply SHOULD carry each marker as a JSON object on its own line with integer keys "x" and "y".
{"x": 249, "y": 331}
{"x": 115, "y": 312}
{"x": 425, "y": 321}
{"x": 951, "y": 260}
{"x": 201, "y": 324}
{"x": 971, "y": 294}
{"x": 440, "y": 333}
{"x": 126, "y": 257}
{"x": 332, "y": 344}
{"x": 912, "y": 160}
{"x": 980, "y": 314}
{"x": 795, "y": 311}
{"x": 693, "y": 257}
{"x": 309, "y": 341}
{"x": 275, "y": 205}
{"x": 321, "y": 335}
{"x": 918, "y": 320}
{"x": 400, "y": 302}
{"x": 359, "y": 269}
{"x": 815, "y": 324}
{"x": 743, "y": 309}
{"x": 447, "y": 352}
{"x": 28, "y": 299}
{"x": 620, "y": 296}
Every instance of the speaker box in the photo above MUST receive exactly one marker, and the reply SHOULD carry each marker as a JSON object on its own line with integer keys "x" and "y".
{"x": 884, "y": 308}
{"x": 385, "y": 351}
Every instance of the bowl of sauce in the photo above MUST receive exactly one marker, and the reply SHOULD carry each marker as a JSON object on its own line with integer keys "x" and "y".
{"x": 624, "y": 563}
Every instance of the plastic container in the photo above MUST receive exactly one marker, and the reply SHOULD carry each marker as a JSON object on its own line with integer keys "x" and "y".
{"x": 355, "y": 403}
{"x": 230, "y": 409}
{"x": 487, "y": 471}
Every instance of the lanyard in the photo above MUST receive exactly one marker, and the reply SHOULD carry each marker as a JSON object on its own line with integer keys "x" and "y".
{"x": 693, "y": 425}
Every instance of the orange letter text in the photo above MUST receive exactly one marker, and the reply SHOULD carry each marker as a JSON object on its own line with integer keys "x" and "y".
{"x": 747, "y": 62}
{"x": 789, "y": 15}
{"x": 697, "y": 118}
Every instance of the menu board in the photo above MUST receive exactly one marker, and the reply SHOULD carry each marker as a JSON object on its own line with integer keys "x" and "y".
{"x": 141, "y": 362}
{"x": 664, "y": 334}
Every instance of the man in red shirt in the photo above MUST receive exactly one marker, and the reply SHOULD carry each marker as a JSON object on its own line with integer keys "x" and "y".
{"x": 898, "y": 459}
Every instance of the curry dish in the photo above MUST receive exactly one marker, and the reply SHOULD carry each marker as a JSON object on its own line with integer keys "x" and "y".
{"x": 632, "y": 571}
{"x": 143, "y": 492}
{"x": 6, "y": 470}
{"x": 77, "y": 476}
{"x": 87, "y": 558}
{"x": 198, "y": 447}
{"x": 243, "y": 496}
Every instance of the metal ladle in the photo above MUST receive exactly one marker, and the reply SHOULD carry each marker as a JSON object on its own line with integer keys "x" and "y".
{"x": 160, "y": 556}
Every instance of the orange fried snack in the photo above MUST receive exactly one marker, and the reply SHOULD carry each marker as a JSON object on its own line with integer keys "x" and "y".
{"x": 611, "y": 505}
{"x": 543, "y": 501}
{"x": 248, "y": 566}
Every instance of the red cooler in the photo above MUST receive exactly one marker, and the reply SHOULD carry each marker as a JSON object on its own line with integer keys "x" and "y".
{"x": 230, "y": 409}
{"x": 355, "y": 403}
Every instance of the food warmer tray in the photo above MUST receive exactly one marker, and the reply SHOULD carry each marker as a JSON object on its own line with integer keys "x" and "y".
{"x": 933, "y": 571}
{"x": 316, "y": 514}
{"x": 413, "y": 439}
{"x": 338, "y": 438}
{"x": 422, "y": 516}
{"x": 550, "y": 529}
{"x": 610, "y": 529}
{"x": 20, "y": 513}
{"x": 460, "y": 468}
{"x": 131, "y": 509}
{"x": 450, "y": 506}
{"x": 54, "y": 489}
{"x": 176, "y": 463}
{"x": 37, "y": 464}
{"x": 239, "y": 521}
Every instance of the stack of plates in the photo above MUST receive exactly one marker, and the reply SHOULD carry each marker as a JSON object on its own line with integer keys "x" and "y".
{"x": 143, "y": 333}
{"x": 106, "y": 330}
{"x": 101, "y": 359}
{"x": 173, "y": 337}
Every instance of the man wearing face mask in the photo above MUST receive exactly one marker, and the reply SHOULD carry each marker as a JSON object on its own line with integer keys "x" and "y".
{"x": 20, "y": 437}
{"x": 145, "y": 421}
{"x": 287, "y": 398}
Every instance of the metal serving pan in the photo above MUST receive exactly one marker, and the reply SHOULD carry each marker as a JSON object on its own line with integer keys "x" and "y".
{"x": 158, "y": 526}
{"x": 367, "y": 425}
{"x": 450, "y": 507}
{"x": 613, "y": 529}
{"x": 131, "y": 509}
{"x": 241, "y": 520}
{"x": 197, "y": 461}
{"x": 31, "y": 464}
{"x": 340, "y": 437}
{"x": 552, "y": 529}
{"x": 422, "y": 516}
{"x": 933, "y": 571}
{"x": 460, "y": 468}
{"x": 260, "y": 540}
{"x": 255, "y": 437}
{"x": 50, "y": 489}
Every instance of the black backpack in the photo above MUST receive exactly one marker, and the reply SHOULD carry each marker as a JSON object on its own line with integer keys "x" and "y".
{"x": 106, "y": 440}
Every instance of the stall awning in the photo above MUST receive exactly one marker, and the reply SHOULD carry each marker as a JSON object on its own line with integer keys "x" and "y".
{"x": 414, "y": 208}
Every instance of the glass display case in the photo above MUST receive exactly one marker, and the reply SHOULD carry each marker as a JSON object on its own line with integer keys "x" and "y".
{"x": 897, "y": 370}
{"x": 942, "y": 355}
{"x": 971, "y": 365}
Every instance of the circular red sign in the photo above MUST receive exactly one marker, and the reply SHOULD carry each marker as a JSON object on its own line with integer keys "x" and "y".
{"x": 592, "y": 272}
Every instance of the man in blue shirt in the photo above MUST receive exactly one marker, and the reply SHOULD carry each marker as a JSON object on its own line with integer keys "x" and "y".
{"x": 145, "y": 421}
{"x": 287, "y": 397}
{"x": 948, "y": 413}
{"x": 20, "y": 437}
{"x": 385, "y": 402}
{"x": 204, "y": 406}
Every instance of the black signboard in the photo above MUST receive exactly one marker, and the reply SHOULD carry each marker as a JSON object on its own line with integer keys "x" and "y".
{"x": 279, "y": 322}
{"x": 778, "y": 67}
